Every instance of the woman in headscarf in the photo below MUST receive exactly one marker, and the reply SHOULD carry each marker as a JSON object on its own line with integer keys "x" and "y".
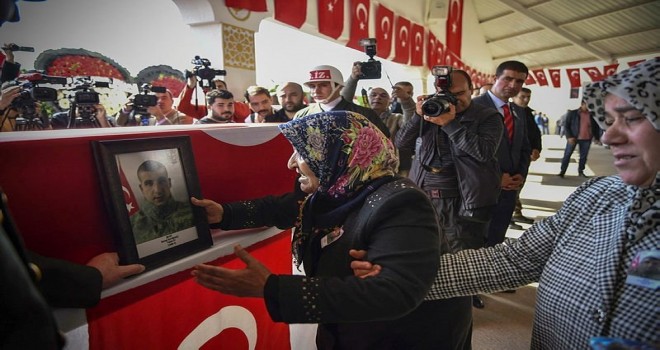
{"x": 586, "y": 257}
{"x": 354, "y": 201}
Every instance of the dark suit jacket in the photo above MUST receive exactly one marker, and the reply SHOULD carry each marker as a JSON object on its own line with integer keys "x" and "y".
{"x": 513, "y": 156}
{"x": 572, "y": 125}
{"x": 533, "y": 132}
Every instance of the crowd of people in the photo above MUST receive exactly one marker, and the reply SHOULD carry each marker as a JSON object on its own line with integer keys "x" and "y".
{"x": 399, "y": 216}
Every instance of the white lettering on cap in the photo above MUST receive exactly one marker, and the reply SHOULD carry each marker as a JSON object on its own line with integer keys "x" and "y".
{"x": 323, "y": 74}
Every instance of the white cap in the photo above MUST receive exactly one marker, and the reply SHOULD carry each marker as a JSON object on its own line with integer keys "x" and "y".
{"x": 325, "y": 73}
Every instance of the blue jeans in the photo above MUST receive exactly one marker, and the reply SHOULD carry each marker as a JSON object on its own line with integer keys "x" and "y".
{"x": 584, "y": 151}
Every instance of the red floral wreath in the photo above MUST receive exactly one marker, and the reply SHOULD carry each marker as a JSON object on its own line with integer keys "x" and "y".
{"x": 80, "y": 62}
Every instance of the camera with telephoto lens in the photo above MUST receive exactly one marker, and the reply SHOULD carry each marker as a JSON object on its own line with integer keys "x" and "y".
{"x": 370, "y": 69}
{"x": 203, "y": 71}
{"x": 438, "y": 103}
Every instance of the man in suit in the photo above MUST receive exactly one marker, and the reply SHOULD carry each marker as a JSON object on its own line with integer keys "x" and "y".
{"x": 514, "y": 150}
{"x": 325, "y": 84}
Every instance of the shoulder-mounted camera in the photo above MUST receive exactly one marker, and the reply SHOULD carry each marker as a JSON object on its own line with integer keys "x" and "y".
{"x": 204, "y": 72}
{"x": 371, "y": 69}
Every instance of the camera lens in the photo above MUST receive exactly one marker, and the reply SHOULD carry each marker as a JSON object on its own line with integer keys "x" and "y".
{"x": 435, "y": 106}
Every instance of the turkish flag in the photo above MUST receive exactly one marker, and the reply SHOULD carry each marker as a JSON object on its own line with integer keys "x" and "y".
{"x": 129, "y": 198}
{"x": 610, "y": 69}
{"x": 252, "y": 5}
{"x": 593, "y": 73}
{"x": 574, "y": 77}
{"x": 402, "y": 38}
{"x": 455, "y": 26}
{"x": 291, "y": 12}
{"x": 416, "y": 45}
{"x": 384, "y": 28}
{"x": 435, "y": 51}
{"x": 359, "y": 23}
{"x": 331, "y": 17}
{"x": 539, "y": 74}
{"x": 634, "y": 63}
{"x": 530, "y": 79}
{"x": 555, "y": 78}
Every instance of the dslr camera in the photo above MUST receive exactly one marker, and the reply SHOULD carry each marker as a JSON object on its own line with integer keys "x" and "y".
{"x": 204, "y": 71}
{"x": 371, "y": 69}
{"x": 439, "y": 103}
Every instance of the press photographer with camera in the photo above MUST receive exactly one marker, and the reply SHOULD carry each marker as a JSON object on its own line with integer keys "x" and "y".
{"x": 215, "y": 81}
{"x": 456, "y": 165}
{"x": 154, "y": 106}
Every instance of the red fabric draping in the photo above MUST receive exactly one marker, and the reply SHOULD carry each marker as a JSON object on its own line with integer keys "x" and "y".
{"x": 555, "y": 77}
{"x": 402, "y": 40}
{"x": 539, "y": 75}
{"x": 455, "y": 27}
{"x": 593, "y": 73}
{"x": 291, "y": 12}
{"x": 384, "y": 30}
{"x": 252, "y": 5}
{"x": 416, "y": 45}
{"x": 574, "y": 77}
{"x": 359, "y": 23}
{"x": 331, "y": 17}
{"x": 610, "y": 69}
{"x": 530, "y": 79}
{"x": 434, "y": 51}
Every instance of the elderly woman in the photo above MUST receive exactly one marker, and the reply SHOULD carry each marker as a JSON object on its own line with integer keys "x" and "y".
{"x": 586, "y": 257}
{"x": 354, "y": 200}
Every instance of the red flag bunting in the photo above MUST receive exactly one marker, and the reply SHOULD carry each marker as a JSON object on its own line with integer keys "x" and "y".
{"x": 610, "y": 69}
{"x": 359, "y": 23}
{"x": 290, "y": 12}
{"x": 252, "y": 5}
{"x": 402, "y": 40}
{"x": 331, "y": 17}
{"x": 530, "y": 79}
{"x": 555, "y": 77}
{"x": 129, "y": 198}
{"x": 430, "y": 50}
{"x": 633, "y": 63}
{"x": 455, "y": 26}
{"x": 574, "y": 77}
{"x": 593, "y": 73}
{"x": 539, "y": 75}
{"x": 416, "y": 45}
{"x": 384, "y": 28}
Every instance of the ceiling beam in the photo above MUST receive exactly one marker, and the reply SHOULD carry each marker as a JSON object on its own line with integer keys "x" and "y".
{"x": 511, "y": 36}
{"x": 605, "y": 13}
{"x": 551, "y": 26}
{"x": 541, "y": 49}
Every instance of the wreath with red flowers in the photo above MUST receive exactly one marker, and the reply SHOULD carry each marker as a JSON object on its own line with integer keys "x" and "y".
{"x": 80, "y": 62}
{"x": 164, "y": 76}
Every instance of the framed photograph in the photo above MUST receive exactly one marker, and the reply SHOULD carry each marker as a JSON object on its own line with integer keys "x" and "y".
{"x": 575, "y": 93}
{"x": 147, "y": 184}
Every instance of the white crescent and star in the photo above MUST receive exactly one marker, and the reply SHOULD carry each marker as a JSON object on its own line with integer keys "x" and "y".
{"x": 385, "y": 25}
{"x": 361, "y": 8}
{"x": 403, "y": 36}
{"x": 454, "y": 16}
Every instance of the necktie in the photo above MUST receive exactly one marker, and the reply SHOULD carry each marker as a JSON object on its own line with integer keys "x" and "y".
{"x": 508, "y": 121}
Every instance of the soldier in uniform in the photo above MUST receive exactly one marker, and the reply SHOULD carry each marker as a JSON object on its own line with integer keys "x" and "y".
{"x": 160, "y": 215}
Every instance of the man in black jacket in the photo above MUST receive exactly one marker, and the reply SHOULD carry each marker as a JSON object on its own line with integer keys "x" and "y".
{"x": 581, "y": 130}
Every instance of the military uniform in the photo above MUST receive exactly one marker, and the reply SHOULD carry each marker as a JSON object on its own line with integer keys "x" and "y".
{"x": 153, "y": 221}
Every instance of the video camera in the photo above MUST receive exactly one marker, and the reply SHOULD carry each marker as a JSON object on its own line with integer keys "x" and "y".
{"x": 31, "y": 93}
{"x": 371, "y": 69}
{"x": 147, "y": 98}
{"x": 82, "y": 113}
{"x": 439, "y": 103}
{"x": 204, "y": 72}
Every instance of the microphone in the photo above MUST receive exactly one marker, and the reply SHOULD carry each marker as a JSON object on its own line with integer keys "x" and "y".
{"x": 14, "y": 47}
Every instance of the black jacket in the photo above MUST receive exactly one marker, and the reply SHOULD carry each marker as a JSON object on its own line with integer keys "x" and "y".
{"x": 572, "y": 125}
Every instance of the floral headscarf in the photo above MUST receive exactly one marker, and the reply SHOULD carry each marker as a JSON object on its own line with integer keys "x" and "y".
{"x": 351, "y": 158}
{"x": 637, "y": 85}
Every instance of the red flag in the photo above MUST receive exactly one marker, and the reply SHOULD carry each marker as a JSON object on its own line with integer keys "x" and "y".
{"x": 291, "y": 12}
{"x": 555, "y": 78}
{"x": 129, "y": 197}
{"x": 610, "y": 69}
{"x": 384, "y": 26}
{"x": 593, "y": 73}
{"x": 574, "y": 77}
{"x": 633, "y": 63}
{"x": 539, "y": 74}
{"x": 416, "y": 45}
{"x": 455, "y": 26}
{"x": 252, "y": 5}
{"x": 402, "y": 39}
{"x": 530, "y": 79}
{"x": 331, "y": 17}
{"x": 359, "y": 23}
{"x": 435, "y": 51}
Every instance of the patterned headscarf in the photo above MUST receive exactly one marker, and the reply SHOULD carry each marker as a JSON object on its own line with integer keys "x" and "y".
{"x": 637, "y": 85}
{"x": 351, "y": 158}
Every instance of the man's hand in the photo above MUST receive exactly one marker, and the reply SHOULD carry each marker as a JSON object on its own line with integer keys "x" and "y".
{"x": 156, "y": 112}
{"x": 112, "y": 272}
{"x": 400, "y": 94}
{"x": 535, "y": 154}
{"x": 248, "y": 282}
{"x": 214, "y": 211}
{"x": 443, "y": 119}
{"x": 356, "y": 71}
{"x": 511, "y": 183}
{"x": 362, "y": 268}
{"x": 9, "y": 53}
{"x": 102, "y": 116}
{"x": 8, "y": 95}
{"x": 192, "y": 81}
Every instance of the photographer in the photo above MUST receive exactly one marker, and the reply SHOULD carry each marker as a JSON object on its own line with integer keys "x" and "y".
{"x": 18, "y": 112}
{"x": 456, "y": 163}
{"x": 61, "y": 120}
{"x": 163, "y": 113}
{"x": 10, "y": 69}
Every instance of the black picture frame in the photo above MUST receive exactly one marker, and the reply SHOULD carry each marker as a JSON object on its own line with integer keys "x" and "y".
{"x": 140, "y": 235}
